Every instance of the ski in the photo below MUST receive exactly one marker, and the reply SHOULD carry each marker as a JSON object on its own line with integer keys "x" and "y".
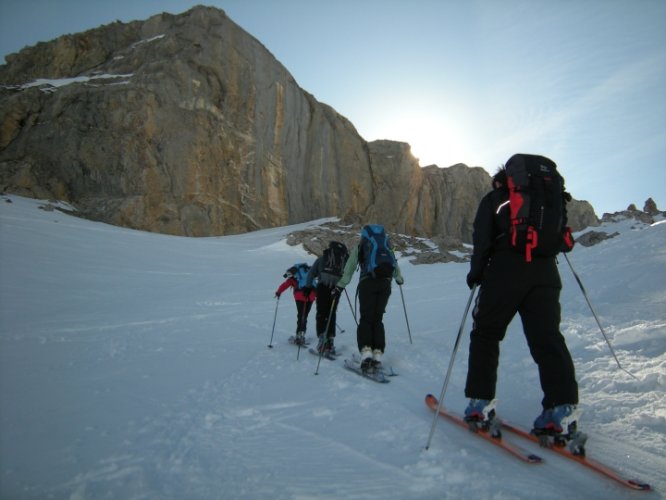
{"x": 388, "y": 370}
{"x": 512, "y": 449}
{"x": 379, "y": 375}
{"x": 581, "y": 459}
{"x": 326, "y": 355}
{"x": 374, "y": 375}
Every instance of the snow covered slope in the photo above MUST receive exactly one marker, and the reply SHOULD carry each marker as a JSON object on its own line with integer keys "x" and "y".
{"x": 135, "y": 366}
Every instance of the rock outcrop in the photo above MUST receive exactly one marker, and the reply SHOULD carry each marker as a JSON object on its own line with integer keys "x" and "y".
{"x": 580, "y": 215}
{"x": 650, "y": 207}
{"x": 648, "y": 215}
{"x": 188, "y": 125}
{"x": 592, "y": 238}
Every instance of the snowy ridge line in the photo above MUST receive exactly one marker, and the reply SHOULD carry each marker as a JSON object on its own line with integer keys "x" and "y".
{"x": 147, "y": 40}
{"x": 51, "y": 85}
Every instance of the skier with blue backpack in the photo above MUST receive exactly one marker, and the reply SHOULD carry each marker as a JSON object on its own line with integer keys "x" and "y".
{"x": 378, "y": 267}
{"x": 304, "y": 297}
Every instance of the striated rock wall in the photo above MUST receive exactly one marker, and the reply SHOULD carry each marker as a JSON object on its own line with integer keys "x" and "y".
{"x": 188, "y": 125}
{"x": 180, "y": 124}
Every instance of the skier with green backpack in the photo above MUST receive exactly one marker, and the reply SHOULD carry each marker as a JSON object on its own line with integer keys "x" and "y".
{"x": 378, "y": 267}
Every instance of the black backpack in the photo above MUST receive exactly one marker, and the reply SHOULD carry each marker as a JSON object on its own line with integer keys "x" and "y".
{"x": 335, "y": 258}
{"x": 375, "y": 255}
{"x": 537, "y": 202}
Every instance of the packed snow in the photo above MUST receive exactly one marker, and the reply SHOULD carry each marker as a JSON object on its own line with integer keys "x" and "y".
{"x": 136, "y": 366}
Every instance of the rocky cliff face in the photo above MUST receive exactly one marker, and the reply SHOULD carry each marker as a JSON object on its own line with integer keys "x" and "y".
{"x": 188, "y": 125}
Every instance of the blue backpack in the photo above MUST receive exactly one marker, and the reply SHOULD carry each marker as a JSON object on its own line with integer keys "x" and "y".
{"x": 300, "y": 272}
{"x": 375, "y": 255}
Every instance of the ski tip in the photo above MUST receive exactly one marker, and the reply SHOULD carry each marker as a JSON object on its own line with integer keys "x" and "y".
{"x": 535, "y": 459}
{"x": 639, "y": 485}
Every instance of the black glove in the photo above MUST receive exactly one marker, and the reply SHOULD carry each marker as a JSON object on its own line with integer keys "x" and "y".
{"x": 306, "y": 290}
{"x": 335, "y": 293}
{"x": 277, "y": 295}
{"x": 567, "y": 240}
{"x": 473, "y": 279}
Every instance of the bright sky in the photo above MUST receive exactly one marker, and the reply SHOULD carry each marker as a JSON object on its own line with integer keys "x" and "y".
{"x": 474, "y": 81}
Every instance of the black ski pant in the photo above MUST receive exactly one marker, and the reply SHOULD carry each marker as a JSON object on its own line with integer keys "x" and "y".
{"x": 509, "y": 286}
{"x": 302, "y": 311}
{"x": 373, "y": 295}
{"x": 326, "y": 311}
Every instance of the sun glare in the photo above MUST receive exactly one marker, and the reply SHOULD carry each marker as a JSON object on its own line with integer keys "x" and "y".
{"x": 438, "y": 131}
{"x": 433, "y": 140}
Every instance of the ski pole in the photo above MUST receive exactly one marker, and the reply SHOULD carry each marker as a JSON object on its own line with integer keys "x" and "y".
{"x": 409, "y": 331}
{"x": 582, "y": 289}
{"x": 448, "y": 371}
{"x": 325, "y": 334}
{"x": 356, "y": 298}
{"x": 277, "y": 303}
{"x": 351, "y": 308}
{"x": 340, "y": 329}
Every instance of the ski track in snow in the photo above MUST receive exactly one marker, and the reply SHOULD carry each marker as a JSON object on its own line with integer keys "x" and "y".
{"x": 136, "y": 366}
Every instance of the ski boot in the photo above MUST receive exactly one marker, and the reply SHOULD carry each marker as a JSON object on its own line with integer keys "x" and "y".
{"x": 326, "y": 348}
{"x": 321, "y": 344}
{"x": 558, "y": 427}
{"x": 377, "y": 359}
{"x": 480, "y": 416}
{"x": 366, "y": 360}
{"x": 300, "y": 338}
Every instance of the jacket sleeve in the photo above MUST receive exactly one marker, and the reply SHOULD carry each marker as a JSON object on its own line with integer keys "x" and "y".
{"x": 313, "y": 273}
{"x": 350, "y": 267}
{"x": 287, "y": 283}
{"x": 482, "y": 238}
{"x": 397, "y": 274}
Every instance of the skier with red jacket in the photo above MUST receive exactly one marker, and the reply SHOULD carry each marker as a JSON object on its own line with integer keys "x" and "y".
{"x": 296, "y": 276}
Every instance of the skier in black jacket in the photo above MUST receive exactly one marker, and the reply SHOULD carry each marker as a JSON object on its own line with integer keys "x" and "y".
{"x": 510, "y": 285}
